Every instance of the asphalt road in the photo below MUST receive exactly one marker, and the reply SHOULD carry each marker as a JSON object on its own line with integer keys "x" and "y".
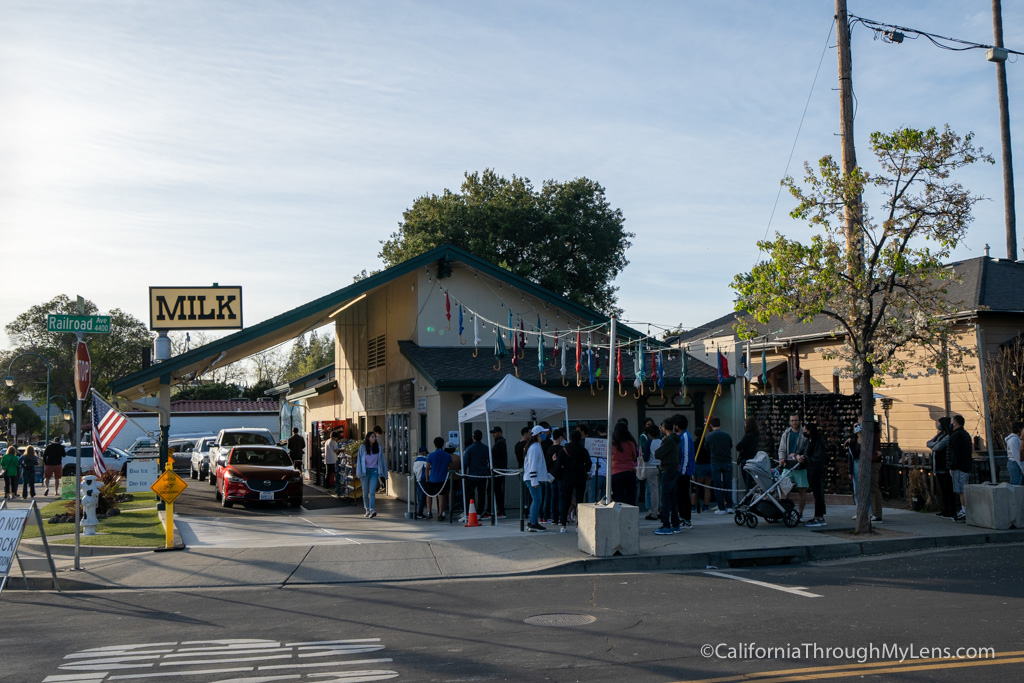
{"x": 640, "y": 627}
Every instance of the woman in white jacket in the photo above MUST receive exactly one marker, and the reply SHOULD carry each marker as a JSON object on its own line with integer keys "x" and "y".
{"x": 370, "y": 465}
{"x": 535, "y": 473}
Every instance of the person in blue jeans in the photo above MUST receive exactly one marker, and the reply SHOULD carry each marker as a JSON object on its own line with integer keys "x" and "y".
{"x": 370, "y": 466}
{"x": 720, "y": 447}
{"x": 535, "y": 471}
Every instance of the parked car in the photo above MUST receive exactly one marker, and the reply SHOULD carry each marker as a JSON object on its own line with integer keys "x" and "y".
{"x": 3, "y": 446}
{"x": 200, "y": 464}
{"x": 143, "y": 443}
{"x": 114, "y": 458}
{"x": 258, "y": 473}
{"x": 237, "y": 436}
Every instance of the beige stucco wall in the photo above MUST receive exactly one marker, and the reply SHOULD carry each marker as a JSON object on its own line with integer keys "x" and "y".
{"x": 917, "y": 396}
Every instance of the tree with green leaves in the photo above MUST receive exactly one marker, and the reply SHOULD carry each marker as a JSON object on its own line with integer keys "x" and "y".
{"x": 565, "y": 237}
{"x": 885, "y": 291}
{"x": 113, "y": 355}
{"x": 305, "y": 357}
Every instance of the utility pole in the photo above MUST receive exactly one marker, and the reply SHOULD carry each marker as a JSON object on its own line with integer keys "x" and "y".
{"x": 851, "y": 213}
{"x": 1004, "y": 135}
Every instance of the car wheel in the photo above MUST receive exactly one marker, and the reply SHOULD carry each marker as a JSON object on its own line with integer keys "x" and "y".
{"x": 192, "y": 473}
{"x": 224, "y": 502}
{"x": 213, "y": 478}
{"x": 216, "y": 494}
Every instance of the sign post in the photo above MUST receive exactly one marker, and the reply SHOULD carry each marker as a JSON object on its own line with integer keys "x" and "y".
{"x": 169, "y": 486}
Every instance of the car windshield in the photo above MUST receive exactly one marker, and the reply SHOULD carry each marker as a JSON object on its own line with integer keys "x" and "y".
{"x": 265, "y": 458}
{"x": 244, "y": 439}
{"x": 205, "y": 445}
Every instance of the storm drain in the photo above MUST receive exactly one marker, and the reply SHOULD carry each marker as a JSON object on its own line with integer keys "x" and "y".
{"x": 560, "y": 620}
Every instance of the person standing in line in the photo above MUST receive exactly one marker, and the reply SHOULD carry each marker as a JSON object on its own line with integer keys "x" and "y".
{"x": 296, "y": 448}
{"x": 720, "y": 446}
{"x": 668, "y": 455}
{"x": 815, "y": 459}
{"x": 330, "y": 462}
{"x": 687, "y": 466}
{"x": 702, "y": 475}
{"x": 370, "y": 466}
{"x": 960, "y": 451}
{"x": 574, "y": 483}
{"x": 9, "y": 466}
{"x": 478, "y": 473}
{"x": 876, "y": 475}
{"x": 747, "y": 448}
{"x": 53, "y": 455}
{"x": 939, "y": 444}
{"x": 535, "y": 471}
{"x": 651, "y": 483}
{"x": 499, "y": 458}
{"x": 438, "y": 463}
{"x": 792, "y": 444}
{"x": 1013, "y": 453}
{"x": 524, "y": 442}
{"x": 623, "y": 465}
{"x": 852, "y": 444}
{"x": 27, "y": 463}
{"x": 419, "y": 475}
{"x": 559, "y": 470}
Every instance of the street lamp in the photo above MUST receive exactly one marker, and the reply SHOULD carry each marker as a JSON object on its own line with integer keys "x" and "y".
{"x": 66, "y": 414}
{"x": 9, "y": 381}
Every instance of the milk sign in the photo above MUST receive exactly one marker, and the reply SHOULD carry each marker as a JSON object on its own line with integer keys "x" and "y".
{"x": 83, "y": 370}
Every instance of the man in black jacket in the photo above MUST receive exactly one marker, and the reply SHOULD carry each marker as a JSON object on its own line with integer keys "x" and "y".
{"x": 296, "y": 447}
{"x": 52, "y": 456}
{"x": 499, "y": 459}
{"x": 668, "y": 453}
{"x": 959, "y": 451}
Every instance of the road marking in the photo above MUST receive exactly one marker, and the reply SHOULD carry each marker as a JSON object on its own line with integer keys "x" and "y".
{"x": 795, "y": 590}
{"x": 318, "y": 527}
{"x": 220, "y": 659}
{"x": 865, "y": 669}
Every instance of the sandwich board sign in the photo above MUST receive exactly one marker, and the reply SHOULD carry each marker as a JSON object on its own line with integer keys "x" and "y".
{"x": 12, "y": 526}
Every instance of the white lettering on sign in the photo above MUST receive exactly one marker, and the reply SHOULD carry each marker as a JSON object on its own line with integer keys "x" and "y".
{"x": 12, "y": 523}
{"x": 221, "y": 661}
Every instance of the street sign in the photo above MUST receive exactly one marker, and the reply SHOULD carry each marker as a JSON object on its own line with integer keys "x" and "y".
{"x": 87, "y": 324}
{"x": 83, "y": 370}
{"x": 169, "y": 486}
{"x": 142, "y": 473}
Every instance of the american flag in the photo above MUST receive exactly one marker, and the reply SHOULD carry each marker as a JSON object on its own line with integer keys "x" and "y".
{"x": 106, "y": 423}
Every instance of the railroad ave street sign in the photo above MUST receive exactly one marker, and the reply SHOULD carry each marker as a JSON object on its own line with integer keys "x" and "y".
{"x": 169, "y": 486}
{"x": 87, "y": 324}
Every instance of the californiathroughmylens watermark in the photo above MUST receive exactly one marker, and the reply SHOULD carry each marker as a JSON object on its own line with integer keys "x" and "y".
{"x": 859, "y": 654}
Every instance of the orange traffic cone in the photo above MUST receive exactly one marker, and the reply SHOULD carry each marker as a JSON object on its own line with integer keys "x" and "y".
{"x": 472, "y": 520}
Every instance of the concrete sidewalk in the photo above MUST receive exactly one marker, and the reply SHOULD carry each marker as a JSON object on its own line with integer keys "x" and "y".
{"x": 318, "y": 547}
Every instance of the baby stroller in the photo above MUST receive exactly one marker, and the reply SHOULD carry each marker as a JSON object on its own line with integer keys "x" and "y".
{"x": 763, "y": 499}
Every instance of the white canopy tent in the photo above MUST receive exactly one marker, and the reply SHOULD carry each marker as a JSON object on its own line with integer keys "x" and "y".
{"x": 510, "y": 400}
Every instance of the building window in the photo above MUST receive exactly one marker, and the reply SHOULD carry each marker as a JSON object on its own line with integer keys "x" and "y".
{"x": 835, "y": 384}
{"x": 376, "y": 353}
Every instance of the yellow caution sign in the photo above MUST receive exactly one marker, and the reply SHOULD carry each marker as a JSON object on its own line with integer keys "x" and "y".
{"x": 169, "y": 486}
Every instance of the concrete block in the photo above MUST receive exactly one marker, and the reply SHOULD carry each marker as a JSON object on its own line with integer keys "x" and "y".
{"x": 606, "y": 530}
{"x": 1018, "y": 505}
{"x": 990, "y": 506}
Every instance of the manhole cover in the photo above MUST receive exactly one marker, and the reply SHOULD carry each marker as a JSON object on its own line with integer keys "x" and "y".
{"x": 560, "y": 620}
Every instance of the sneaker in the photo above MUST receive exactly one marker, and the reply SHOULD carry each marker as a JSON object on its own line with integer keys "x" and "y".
{"x": 687, "y": 524}
{"x": 419, "y": 516}
{"x": 530, "y": 527}
{"x": 815, "y": 523}
{"x": 561, "y": 529}
{"x": 663, "y": 531}
{"x": 46, "y": 492}
{"x": 502, "y": 516}
{"x": 677, "y": 529}
{"x": 366, "y": 513}
{"x": 722, "y": 512}
{"x": 650, "y": 518}
{"x": 373, "y": 513}
{"x": 961, "y": 519}
{"x": 730, "y": 510}
{"x": 430, "y": 515}
{"x": 535, "y": 527}
{"x": 440, "y": 517}
{"x": 876, "y": 519}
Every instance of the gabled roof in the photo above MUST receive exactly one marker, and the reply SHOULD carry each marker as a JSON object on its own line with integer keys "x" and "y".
{"x": 216, "y": 407}
{"x": 316, "y": 313}
{"x": 986, "y": 286}
{"x": 453, "y": 368}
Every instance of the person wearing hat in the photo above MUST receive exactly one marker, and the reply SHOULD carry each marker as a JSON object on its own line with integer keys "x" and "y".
{"x": 535, "y": 472}
{"x": 477, "y": 460}
{"x": 419, "y": 475}
{"x": 499, "y": 461}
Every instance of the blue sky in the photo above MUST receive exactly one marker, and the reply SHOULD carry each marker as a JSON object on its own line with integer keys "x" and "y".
{"x": 273, "y": 144}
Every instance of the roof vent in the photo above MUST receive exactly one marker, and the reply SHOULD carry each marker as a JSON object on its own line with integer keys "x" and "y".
{"x": 986, "y": 251}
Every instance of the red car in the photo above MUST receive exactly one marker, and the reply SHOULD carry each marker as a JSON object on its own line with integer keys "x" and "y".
{"x": 259, "y": 473}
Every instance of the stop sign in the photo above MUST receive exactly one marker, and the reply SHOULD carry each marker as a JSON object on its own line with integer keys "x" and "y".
{"x": 83, "y": 370}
